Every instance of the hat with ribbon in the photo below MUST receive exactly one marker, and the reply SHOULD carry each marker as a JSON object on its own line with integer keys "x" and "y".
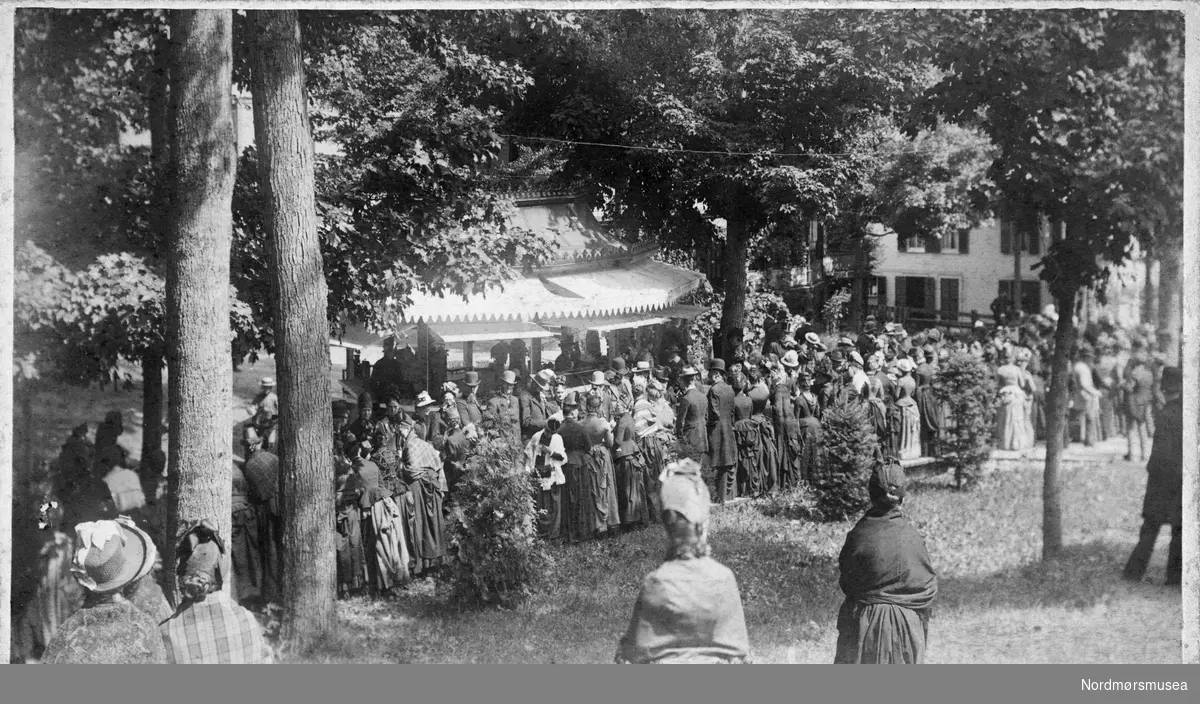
{"x": 267, "y": 382}
{"x": 844, "y": 341}
{"x": 110, "y": 555}
{"x": 424, "y": 399}
{"x": 688, "y": 371}
{"x": 790, "y": 359}
{"x": 543, "y": 380}
{"x": 812, "y": 339}
{"x": 684, "y": 491}
{"x": 643, "y": 367}
{"x": 662, "y": 373}
{"x": 571, "y": 400}
{"x": 509, "y": 377}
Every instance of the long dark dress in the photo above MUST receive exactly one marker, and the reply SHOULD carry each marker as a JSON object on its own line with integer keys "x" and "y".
{"x": 811, "y": 438}
{"x": 421, "y": 473}
{"x": 351, "y": 560}
{"x": 630, "y": 473}
{"x": 788, "y": 437}
{"x": 746, "y": 433}
{"x": 889, "y": 585}
{"x": 760, "y": 413}
{"x": 932, "y": 420}
{"x": 598, "y": 468}
{"x": 578, "y": 505}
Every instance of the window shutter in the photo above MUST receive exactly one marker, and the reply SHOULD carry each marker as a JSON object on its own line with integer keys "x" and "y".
{"x": 931, "y": 293}
{"x": 901, "y": 243}
{"x": 883, "y": 299}
{"x": 901, "y": 290}
{"x": 964, "y": 241}
{"x": 933, "y": 245}
{"x": 1005, "y": 237}
{"x": 950, "y": 300}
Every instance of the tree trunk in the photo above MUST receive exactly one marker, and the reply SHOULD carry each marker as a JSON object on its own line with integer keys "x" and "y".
{"x": 736, "y": 280}
{"x": 1149, "y": 293}
{"x": 858, "y": 297}
{"x": 1056, "y": 424}
{"x": 152, "y": 405}
{"x": 199, "y": 355}
{"x": 1170, "y": 304}
{"x": 7, "y": 206}
{"x": 281, "y": 126}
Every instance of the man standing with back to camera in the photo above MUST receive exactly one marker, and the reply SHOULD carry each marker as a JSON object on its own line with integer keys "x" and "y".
{"x": 1164, "y": 486}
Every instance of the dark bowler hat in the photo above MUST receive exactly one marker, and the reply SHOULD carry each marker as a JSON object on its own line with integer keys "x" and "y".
{"x": 472, "y": 379}
{"x": 716, "y": 365}
{"x": 618, "y": 365}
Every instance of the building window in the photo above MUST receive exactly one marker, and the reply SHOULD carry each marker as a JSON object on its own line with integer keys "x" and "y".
{"x": 1031, "y": 294}
{"x": 1028, "y": 239}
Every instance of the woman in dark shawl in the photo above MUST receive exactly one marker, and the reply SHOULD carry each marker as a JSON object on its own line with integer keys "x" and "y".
{"x": 930, "y": 410}
{"x": 598, "y": 468}
{"x": 578, "y": 505}
{"x": 422, "y": 473}
{"x": 887, "y": 578}
{"x": 628, "y": 468}
{"x": 689, "y": 609}
{"x": 881, "y": 419}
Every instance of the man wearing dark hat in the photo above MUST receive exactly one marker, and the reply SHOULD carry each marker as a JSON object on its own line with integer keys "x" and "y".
{"x": 622, "y": 385}
{"x": 866, "y": 343}
{"x": 261, "y": 469}
{"x": 505, "y": 406}
{"x": 1164, "y": 486}
{"x": 692, "y": 417}
{"x": 469, "y": 410}
{"x": 366, "y": 425}
{"x": 722, "y": 445}
{"x": 888, "y": 580}
{"x": 208, "y": 627}
{"x": 536, "y": 406}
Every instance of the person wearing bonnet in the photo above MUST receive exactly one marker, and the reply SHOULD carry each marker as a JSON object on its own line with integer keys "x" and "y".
{"x": 118, "y": 623}
{"x": 689, "y": 610}
{"x": 208, "y": 627}
{"x": 888, "y": 580}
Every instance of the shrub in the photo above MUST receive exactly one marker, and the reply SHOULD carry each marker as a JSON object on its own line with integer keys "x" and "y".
{"x": 494, "y": 527}
{"x": 835, "y": 309}
{"x": 761, "y": 308}
{"x": 967, "y": 386}
{"x": 850, "y": 451}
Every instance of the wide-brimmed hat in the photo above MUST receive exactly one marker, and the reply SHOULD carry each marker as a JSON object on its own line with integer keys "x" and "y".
{"x": 643, "y": 367}
{"x": 267, "y": 382}
{"x": 687, "y": 371}
{"x": 471, "y": 379}
{"x": 684, "y": 491}
{"x": 844, "y": 341}
{"x": 110, "y": 555}
{"x": 598, "y": 378}
{"x": 790, "y": 359}
{"x": 856, "y": 358}
{"x": 812, "y": 338}
{"x": 509, "y": 377}
{"x": 716, "y": 365}
{"x": 543, "y": 380}
{"x": 424, "y": 399}
{"x": 906, "y": 365}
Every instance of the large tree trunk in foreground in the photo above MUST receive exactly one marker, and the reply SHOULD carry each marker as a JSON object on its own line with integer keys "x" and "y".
{"x": 736, "y": 281}
{"x": 1056, "y": 424}
{"x": 281, "y": 127}
{"x": 6, "y": 328}
{"x": 199, "y": 358}
{"x": 152, "y": 405}
{"x": 1191, "y": 441}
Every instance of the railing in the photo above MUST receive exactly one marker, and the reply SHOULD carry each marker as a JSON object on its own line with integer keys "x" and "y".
{"x": 923, "y": 318}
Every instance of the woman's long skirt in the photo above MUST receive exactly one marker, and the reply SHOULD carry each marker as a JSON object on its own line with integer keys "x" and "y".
{"x": 428, "y": 522}
{"x": 811, "y": 441}
{"x": 910, "y": 432}
{"x": 1011, "y": 424}
{"x": 631, "y": 490}
{"x": 880, "y": 634}
{"x": 351, "y": 561}
{"x": 598, "y": 467}
{"x": 769, "y": 454}
{"x": 549, "y": 507}
{"x": 654, "y": 461}
{"x": 244, "y": 555}
{"x": 790, "y": 447}
{"x": 383, "y": 533}
{"x": 578, "y": 504}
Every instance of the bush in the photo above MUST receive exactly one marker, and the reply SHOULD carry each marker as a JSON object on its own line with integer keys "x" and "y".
{"x": 968, "y": 388}
{"x": 850, "y": 452}
{"x": 835, "y": 309}
{"x": 761, "y": 308}
{"x": 494, "y": 527}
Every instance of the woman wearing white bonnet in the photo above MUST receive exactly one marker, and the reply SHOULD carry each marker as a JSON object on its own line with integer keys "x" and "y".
{"x": 689, "y": 609}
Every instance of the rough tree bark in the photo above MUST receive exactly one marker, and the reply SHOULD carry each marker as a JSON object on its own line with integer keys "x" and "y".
{"x": 1056, "y": 424}
{"x": 152, "y": 364}
{"x": 281, "y": 127}
{"x": 7, "y": 214}
{"x": 1170, "y": 302}
{"x": 199, "y": 233}
{"x": 736, "y": 280}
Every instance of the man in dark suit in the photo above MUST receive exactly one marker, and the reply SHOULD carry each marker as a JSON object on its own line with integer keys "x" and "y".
{"x": 722, "y": 448}
{"x": 505, "y": 405}
{"x": 470, "y": 412}
{"x": 536, "y": 406}
{"x": 1163, "y": 503}
{"x": 691, "y": 418}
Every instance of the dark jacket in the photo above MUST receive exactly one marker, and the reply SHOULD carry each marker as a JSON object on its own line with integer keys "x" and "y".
{"x": 691, "y": 418}
{"x": 722, "y": 448}
{"x": 507, "y": 411}
{"x": 1164, "y": 485}
{"x": 534, "y": 412}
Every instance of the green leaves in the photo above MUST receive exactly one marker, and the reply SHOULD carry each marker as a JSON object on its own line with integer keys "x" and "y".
{"x": 967, "y": 386}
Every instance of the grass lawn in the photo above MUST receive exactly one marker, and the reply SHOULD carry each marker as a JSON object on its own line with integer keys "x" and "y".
{"x": 996, "y": 603}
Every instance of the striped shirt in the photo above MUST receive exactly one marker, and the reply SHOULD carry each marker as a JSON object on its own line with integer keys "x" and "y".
{"x": 215, "y": 630}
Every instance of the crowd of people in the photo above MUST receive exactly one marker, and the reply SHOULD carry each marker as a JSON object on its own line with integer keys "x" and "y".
{"x": 749, "y": 422}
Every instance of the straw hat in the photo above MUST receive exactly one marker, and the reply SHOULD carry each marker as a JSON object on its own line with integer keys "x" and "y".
{"x": 110, "y": 555}
{"x": 268, "y": 382}
{"x": 424, "y": 399}
{"x": 790, "y": 359}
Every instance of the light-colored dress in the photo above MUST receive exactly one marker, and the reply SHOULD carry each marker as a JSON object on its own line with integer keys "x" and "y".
{"x": 1012, "y": 416}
